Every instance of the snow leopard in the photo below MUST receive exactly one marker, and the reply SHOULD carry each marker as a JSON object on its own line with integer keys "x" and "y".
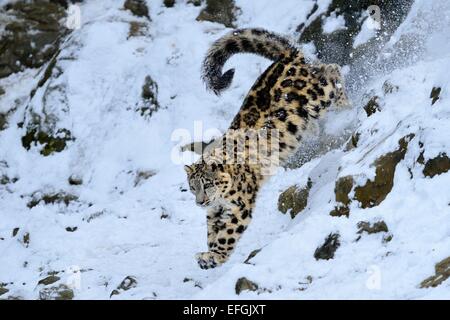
{"x": 290, "y": 95}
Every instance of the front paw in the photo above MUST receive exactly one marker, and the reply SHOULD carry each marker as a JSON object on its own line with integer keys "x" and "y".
{"x": 209, "y": 260}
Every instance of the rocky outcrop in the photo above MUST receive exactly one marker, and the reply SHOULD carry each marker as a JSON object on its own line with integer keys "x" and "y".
{"x": 51, "y": 198}
{"x": 3, "y": 289}
{"x": 442, "y": 273}
{"x": 373, "y": 192}
{"x": 328, "y": 248}
{"x": 372, "y": 106}
{"x": 435, "y": 94}
{"x": 243, "y": 284}
{"x": 137, "y": 7}
{"x": 26, "y": 239}
{"x": 352, "y": 142}
{"x": 75, "y": 180}
{"x": 169, "y": 3}
{"x": 48, "y": 104}
{"x": 370, "y": 228}
{"x": 142, "y": 175}
{"x": 220, "y": 11}
{"x": 337, "y": 46}
{"x": 252, "y": 255}
{"x": 127, "y": 283}
{"x": 6, "y": 178}
{"x": 342, "y": 190}
{"x": 149, "y": 103}
{"x": 137, "y": 29}
{"x": 48, "y": 143}
{"x": 61, "y": 292}
{"x": 294, "y": 199}
{"x": 365, "y": 227}
{"x": 24, "y": 236}
{"x": 49, "y": 280}
{"x": 33, "y": 32}
{"x": 437, "y": 165}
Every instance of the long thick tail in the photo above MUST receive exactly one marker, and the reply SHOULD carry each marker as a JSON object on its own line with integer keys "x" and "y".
{"x": 257, "y": 41}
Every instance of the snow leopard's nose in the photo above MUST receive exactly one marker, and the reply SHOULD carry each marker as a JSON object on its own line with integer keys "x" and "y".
{"x": 201, "y": 201}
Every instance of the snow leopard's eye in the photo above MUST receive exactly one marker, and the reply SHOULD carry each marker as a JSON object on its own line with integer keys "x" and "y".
{"x": 208, "y": 185}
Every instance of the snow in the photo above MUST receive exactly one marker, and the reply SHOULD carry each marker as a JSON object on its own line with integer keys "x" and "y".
{"x": 368, "y": 31}
{"x": 333, "y": 23}
{"x": 153, "y": 230}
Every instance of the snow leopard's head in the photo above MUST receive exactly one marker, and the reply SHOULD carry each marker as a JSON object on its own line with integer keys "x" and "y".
{"x": 207, "y": 182}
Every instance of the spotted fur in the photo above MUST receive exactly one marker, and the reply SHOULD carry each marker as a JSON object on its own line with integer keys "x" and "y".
{"x": 289, "y": 96}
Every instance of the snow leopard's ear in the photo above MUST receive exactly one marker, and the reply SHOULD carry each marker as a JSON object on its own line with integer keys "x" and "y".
{"x": 188, "y": 169}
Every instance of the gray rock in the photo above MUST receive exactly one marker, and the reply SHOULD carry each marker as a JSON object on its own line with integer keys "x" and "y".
{"x": 43, "y": 114}
{"x": 376, "y": 227}
{"x": 169, "y": 3}
{"x": 342, "y": 189}
{"x": 49, "y": 280}
{"x": 352, "y": 142}
{"x": 389, "y": 88}
{"x": 370, "y": 228}
{"x": 127, "y": 283}
{"x": 26, "y": 239}
{"x": 442, "y": 273}
{"x": 3, "y": 290}
{"x": 336, "y": 47}
{"x": 49, "y": 143}
{"x": 137, "y": 7}
{"x": 137, "y": 29}
{"x": 52, "y": 198}
{"x": 75, "y": 180}
{"x": 196, "y": 3}
{"x": 15, "y": 232}
{"x": 328, "y": 248}
{"x": 149, "y": 103}
{"x": 252, "y": 255}
{"x": 30, "y": 39}
{"x": 220, "y": 11}
{"x": 435, "y": 94}
{"x": 61, "y": 292}
{"x": 437, "y": 166}
{"x": 3, "y": 121}
{"x": 294, "y": 199}
{"x": 373, "y": 192}
{"x": 372, "y": 106}
{"x": 243, "y": 284}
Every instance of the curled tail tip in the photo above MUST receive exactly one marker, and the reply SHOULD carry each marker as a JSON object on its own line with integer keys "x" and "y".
{"x": 252, "y": 40}
{"x": 218, "y": 83}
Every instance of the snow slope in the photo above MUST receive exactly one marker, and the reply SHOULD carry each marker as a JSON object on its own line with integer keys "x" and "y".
{"x": 151, "y": 229}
